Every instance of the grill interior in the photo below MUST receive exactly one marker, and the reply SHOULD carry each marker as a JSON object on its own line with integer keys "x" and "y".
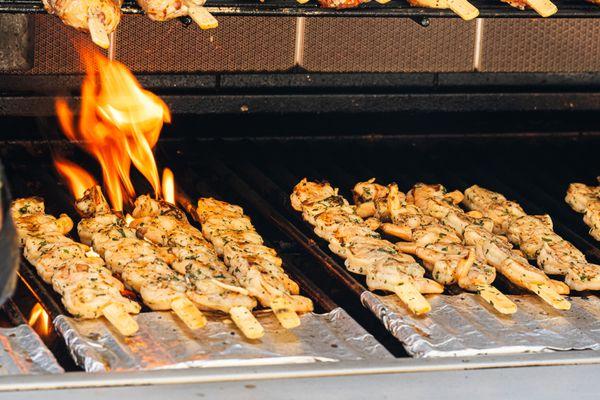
{"x": 259, "y": 173}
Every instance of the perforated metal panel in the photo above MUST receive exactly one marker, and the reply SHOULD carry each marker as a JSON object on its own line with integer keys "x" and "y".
{"x": 536, "y": 45}
{"x": 388, "y": 45}
{"x": 238, "y": 44}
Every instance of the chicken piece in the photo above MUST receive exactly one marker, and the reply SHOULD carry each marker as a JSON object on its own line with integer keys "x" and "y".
{"x": 29, "y": 218}
{"x": 211, "y": 285}
{"x": 163, "y": 10}
{"x": 365, "y": 252}
{"x": 77, "y": 274}
{"x": 496, "y": 207}
{"x": 99, "y": 17}
{"x": 439, "y": 246}
{"x": 255, "y": 266}
{"x": 536, "y": 238}
{"x": 586, "y": 199}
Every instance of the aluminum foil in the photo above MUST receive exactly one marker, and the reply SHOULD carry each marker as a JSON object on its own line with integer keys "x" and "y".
{"x": 163, "y": 341}
{"x": 24, "y": 353}
{"x": 464, "y": 325}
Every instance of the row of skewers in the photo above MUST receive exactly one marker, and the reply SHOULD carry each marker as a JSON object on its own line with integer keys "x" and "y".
{"x": 162, "y": 257}
{"x": 585, "y": 199}
{"x": 463, "y": 247}
{"x": 101, "y": 17}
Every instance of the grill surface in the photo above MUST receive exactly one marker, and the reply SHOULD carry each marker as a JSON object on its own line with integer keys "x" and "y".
{"x": 259, "y": 174}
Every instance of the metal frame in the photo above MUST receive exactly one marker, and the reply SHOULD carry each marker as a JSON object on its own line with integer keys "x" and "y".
{"x": 289, "y": 8}
{"x": 549, "y": 375}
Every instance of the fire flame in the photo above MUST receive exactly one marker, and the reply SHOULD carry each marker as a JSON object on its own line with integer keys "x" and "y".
{"x": 79, "y": 179}
{"x": 39, "y": 319}
{"x": 119, "y": 124}
{"x": 168, "y": 186}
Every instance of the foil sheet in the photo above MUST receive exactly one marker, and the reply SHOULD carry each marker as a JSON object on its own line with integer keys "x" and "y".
{"x": 464, "y": 325}
{"x": 23, "y": 353}
{"x": 163, "y": 341}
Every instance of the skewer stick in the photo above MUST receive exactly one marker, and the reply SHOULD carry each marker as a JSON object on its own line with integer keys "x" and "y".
{"x": 202, "y": 17}
{"x": 560, "y": 287}
{"x": 428, "y": 286}
{"x": 302, "y": 1}
{"x": 283, "y": 309}
{"x": 464, "y": 9}
{"x": 497, "y": 299}
{"x": 188, "y": 312}
{"x": 550, "y": 296}
{"x": 248, "y": 324}
{"x": 98, "y": 32}
{"x": 115, "y": 314}
{"x": 414, "y": 300}
{"x": 383, "y": 1}
{"x": 543, "y": 7}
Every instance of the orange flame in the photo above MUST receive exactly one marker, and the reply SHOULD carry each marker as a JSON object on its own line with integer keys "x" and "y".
{"x": 168, "y": 186}
{"x": 39, "y": 319}
{"x": 119, "y": 124}
{"x": 79, "y": 179}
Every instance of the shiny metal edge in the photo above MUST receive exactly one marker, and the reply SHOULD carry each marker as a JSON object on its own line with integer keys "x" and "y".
{"x": 344, "y": 368}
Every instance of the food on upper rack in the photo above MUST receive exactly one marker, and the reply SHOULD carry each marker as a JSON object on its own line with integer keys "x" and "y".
{"x": 544, "y": 8}
{"x": 163, "y": 10}
{"x": 586, "y": 200}
{"x": 462, "y": 8}
{"x": 536, "y": 238}
{"x": 88, "y": 290}
{"x": 140, "y": 264}
{"x": 256, "y": 266}
{"x": 214, "y": 287}
{"x": 439, "y": 246}
{"x": 99, "y": 17}
{"x": 352, "y": 238}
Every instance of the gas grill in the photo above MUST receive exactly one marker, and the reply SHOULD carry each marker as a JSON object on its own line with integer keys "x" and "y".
{"x": 248, "y": 136}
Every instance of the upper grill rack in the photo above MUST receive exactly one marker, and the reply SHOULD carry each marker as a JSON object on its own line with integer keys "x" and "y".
{"x": 395, "y": 8}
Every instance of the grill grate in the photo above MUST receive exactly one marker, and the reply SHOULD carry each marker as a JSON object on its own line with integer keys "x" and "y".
{"x": 260, "y": 174}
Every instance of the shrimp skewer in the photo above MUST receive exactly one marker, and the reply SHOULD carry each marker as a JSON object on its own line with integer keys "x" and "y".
{"x": 214, "y": 287}
{"x": 256, "y": 266}
{"x": 535, "y": 236}
{"x": 87, "y": 288}
{"x": 352, "y": 238}
{"x": 439, "y": 246}
{"x": 495, "y": 249}
{"x": 141, "y": 265}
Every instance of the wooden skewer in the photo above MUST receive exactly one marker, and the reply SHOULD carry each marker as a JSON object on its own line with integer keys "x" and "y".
{"x": 248, "y": 324}
{"x": 543, "y": 7}
{"x": 550, "y": 296}
{"x": 383, "y": 1}
{"x": 414, "y": 300}
{"x": 283, "y": 309}
{"x": 98, "y": 31}
{"x": 116, "y": 314}
{"x": 428, "y": 286}
{"x": 465, "y": 10}
{"x": 202, "y": 17}
{"x": 188, "y": 312}
{"x": 497, "y": 299}
{"x": 560, "y": 287}
{"x": 302, "y": 1}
